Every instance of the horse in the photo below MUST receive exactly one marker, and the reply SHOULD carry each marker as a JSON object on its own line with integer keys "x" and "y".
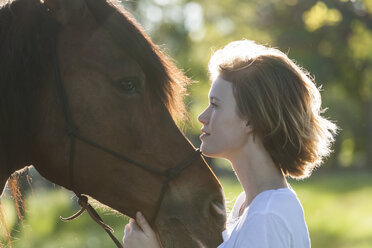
{"x": 93, "y": 104}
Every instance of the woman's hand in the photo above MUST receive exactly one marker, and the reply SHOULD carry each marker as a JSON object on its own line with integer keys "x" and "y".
{"x": 138, "y": 233}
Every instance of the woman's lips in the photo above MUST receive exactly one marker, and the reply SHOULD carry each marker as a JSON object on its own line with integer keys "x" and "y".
{"x": 203, "y": 135}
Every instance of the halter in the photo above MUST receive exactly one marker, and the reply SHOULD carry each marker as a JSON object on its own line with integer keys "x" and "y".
{"x": 73, "y": 133}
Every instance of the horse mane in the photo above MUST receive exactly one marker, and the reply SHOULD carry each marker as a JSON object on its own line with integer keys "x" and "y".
{"x": 163, "y": 77}
{"x": 26, "y": 32}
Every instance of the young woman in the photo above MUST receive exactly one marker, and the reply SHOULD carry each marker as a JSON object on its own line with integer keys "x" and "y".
{"x": 265, "y": 118}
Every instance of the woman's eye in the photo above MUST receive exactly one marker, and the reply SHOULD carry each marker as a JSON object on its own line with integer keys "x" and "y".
{"x": 213, "y": 105}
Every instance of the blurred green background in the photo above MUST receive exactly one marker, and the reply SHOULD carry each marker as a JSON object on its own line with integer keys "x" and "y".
{"x": 332, "y": 39}
{"x": 337, "y": 209}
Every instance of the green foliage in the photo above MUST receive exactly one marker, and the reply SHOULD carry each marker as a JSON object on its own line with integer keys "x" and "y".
{"x": 319, "y": 15}
{"x": 360, "y": 41}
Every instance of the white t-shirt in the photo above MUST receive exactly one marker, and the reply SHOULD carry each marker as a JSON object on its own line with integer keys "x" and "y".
{"x": 274, "y": 219}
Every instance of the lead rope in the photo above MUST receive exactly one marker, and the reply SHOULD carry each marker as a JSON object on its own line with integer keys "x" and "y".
{"x": 83, "y": 202}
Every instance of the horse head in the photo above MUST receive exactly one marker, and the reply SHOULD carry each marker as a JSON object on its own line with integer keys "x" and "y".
{"x": 123, "y": 94}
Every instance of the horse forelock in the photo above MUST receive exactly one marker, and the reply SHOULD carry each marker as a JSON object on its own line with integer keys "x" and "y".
{"x": 163, "y": 77}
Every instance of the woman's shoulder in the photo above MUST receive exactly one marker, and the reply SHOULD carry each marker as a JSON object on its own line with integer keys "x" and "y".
{"x": 277, "y": 213}
{"x": 280, "y": 214}
{"x": 280, "y": 203}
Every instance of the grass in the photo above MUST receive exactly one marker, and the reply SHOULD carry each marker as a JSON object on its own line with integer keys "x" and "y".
{"x": 338, "y": 210}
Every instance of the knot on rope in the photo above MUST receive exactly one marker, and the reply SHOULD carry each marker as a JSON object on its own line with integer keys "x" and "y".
{"x": 83, "y": 202}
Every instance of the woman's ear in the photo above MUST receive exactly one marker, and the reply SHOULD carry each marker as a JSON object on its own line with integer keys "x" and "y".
{"x": 65, "y": 11}
{"x": 248, "y": 127}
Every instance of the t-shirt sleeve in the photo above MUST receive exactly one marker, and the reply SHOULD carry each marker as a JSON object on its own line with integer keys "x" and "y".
{"x": 264, "y": 231}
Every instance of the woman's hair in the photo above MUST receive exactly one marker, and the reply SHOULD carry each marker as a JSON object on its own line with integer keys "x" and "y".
{"x": 280, "y": 100}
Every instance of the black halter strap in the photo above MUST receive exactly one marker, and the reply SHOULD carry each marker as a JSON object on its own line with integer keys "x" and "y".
{"x": 73, "y": 133}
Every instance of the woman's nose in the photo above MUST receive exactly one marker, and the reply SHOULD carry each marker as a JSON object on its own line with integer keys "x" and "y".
{"x": 202, "y": 117}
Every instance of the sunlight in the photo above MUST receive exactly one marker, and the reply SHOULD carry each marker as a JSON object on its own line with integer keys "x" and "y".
{"x": 320, "y": 15}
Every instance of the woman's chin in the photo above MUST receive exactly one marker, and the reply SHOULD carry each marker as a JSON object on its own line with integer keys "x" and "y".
{"x": 203, "y": 149}
{"x": 207, "y": 152}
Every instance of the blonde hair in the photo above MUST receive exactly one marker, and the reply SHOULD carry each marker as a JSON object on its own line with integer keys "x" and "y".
{"x": 281, "y": 102}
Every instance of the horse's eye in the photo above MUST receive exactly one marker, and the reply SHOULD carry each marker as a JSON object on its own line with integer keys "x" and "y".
{"x": 129, "y": 85}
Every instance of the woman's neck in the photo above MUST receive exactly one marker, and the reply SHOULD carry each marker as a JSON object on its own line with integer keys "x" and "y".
{"x": 256, "y": 170}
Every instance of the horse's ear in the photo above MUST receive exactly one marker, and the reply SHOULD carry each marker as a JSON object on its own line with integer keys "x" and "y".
{"x": 65, "y": 11}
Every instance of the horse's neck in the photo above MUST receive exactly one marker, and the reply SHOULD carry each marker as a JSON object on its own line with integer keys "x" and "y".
{"x": 3, "y": 180}
{"x": 11, "y": 159}
{"x": 19, "y": 151}
{"x": 4, "y": 171}
{"x": 6, "y": 166}
{"x": 48, "y": 153}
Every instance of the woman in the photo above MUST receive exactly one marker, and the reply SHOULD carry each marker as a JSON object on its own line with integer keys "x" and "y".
{"x": 263, "y": 117}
